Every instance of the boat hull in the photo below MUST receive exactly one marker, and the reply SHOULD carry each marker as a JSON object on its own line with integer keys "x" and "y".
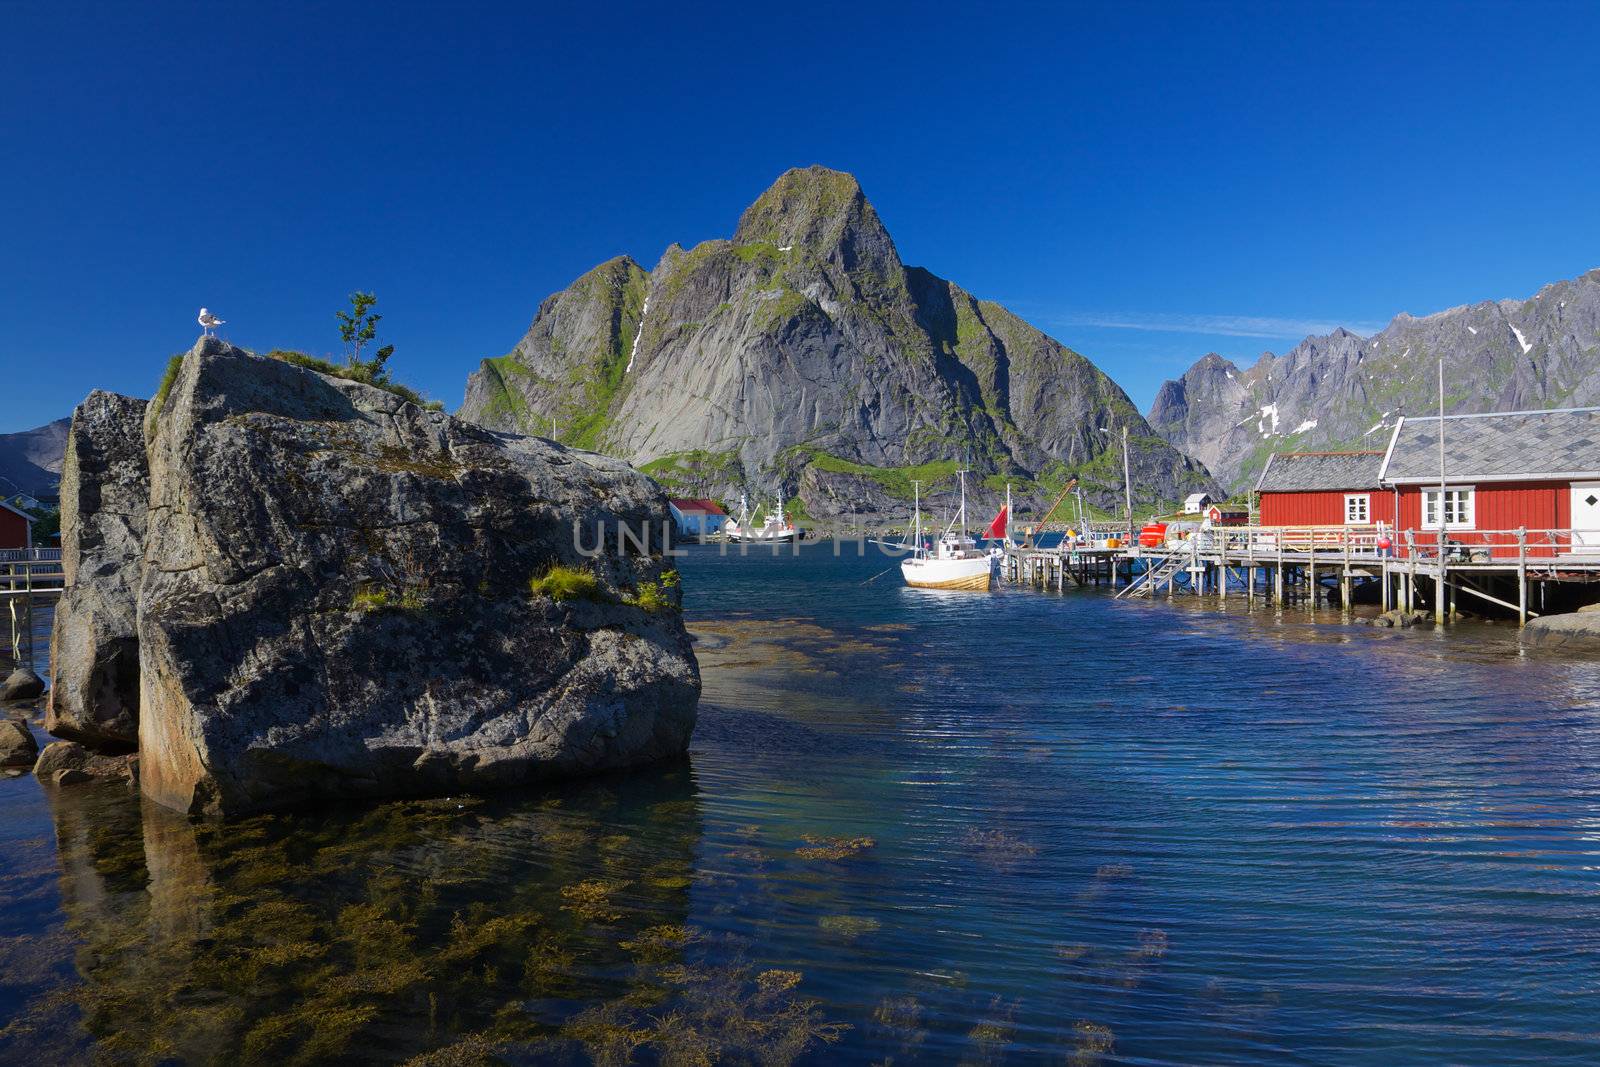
{"x": 755, "y": 537}
{"x": 965, "y": 574}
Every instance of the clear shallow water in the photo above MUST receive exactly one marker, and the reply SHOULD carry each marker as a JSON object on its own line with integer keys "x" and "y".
{"x": 1099, "y": 832}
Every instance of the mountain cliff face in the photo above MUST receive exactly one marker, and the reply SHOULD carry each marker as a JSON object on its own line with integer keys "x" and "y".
{"x": 805, "y": 344}
{"x": 1343, "y": 391}
{"x": 30, "y": 461}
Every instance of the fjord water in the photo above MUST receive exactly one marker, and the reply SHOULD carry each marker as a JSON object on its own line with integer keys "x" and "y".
{"x": 920, "y": 826}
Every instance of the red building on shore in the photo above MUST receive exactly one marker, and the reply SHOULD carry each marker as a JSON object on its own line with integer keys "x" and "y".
{"x": 16, "y": 528}
{"x": 1323, "y": 489}
{"x": 1533, "y": 475}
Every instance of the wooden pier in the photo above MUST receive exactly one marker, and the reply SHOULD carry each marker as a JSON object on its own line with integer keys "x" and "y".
{"x": 30, "y": 578}
{"x": 1513, "y": 570}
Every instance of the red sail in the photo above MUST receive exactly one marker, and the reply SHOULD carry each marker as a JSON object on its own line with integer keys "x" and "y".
{"x": 997, "y": 528}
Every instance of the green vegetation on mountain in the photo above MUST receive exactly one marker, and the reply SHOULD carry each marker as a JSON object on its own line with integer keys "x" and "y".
{"x": 503, "y": 403}
{"x": 696, "y": 472}
{"x": 896, "y": 481}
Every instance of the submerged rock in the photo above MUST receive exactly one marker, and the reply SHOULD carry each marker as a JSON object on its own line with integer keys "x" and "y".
{"x": 61, "y": 756}
{"x": 21, "y": 684}
{"x": 94, "y": 647}
{"x": 1402, "y": 618}
{"x": 17, "y": 746}
{"x": 336, "y": 599}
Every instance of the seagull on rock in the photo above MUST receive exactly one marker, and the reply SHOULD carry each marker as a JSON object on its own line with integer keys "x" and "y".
{"x": 208, "y": 322}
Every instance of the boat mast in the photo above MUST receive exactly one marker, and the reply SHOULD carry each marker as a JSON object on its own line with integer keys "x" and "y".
{"x": 961, "y": 516}
{"x": 916, "y": 517}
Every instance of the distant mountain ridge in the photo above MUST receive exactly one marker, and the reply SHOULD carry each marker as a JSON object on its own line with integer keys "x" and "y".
{"x": 30, "y": 460}
{"x": 1344, "y": 391}
{"x": 803, "y": 353}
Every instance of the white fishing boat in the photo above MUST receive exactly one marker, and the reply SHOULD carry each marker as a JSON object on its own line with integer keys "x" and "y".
{"x": 774, "y": 529}
{"x": 954, "y": 561}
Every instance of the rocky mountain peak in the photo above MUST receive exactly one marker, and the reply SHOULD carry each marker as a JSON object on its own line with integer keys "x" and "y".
{"x": 614, "y": 268}
{"x": 803, "y": 354}
{"x": 825, "y": 212}
{"x": 1345, "y": 391}
{"x": 1212, "y": 362}
{"x": 30, "y": 461}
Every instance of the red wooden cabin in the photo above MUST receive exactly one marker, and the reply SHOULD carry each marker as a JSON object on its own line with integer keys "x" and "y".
{"x": 1323, "y": 489}
{"x": 16, "y": 527}
{"x": 1537, "y": 472}
{"x": 1217, "y": 515}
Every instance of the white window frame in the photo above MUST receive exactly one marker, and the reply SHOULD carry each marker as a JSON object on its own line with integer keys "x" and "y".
{"x": 1363, "y": 519}
{"x": 1466, "y": 508}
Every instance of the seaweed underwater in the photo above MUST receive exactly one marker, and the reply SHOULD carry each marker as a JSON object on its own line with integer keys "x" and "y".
{"x": 459, "y": 930}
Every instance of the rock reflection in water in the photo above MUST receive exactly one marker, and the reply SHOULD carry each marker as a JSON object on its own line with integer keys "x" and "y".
{"x": 455, "y": 930}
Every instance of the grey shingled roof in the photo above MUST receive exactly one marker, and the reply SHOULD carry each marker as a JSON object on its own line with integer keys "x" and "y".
{"x": 1504, "y": 446}
{"x": 1310, "y": 471}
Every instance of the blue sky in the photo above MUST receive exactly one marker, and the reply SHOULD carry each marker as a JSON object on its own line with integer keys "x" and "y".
{"x": 1147, "y": 182}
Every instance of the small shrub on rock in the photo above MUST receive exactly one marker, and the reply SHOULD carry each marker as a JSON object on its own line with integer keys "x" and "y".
{"x": 566, "y": 583}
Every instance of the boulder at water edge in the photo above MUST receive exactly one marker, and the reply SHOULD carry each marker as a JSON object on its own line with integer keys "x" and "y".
{"x": 62, "y": 756}
{"x": 336, "y": 600}
{"x": 21, "y": 684}
{"x": 94, "y": 648}
{"x": 1579, "y": 631}
{"x": 17, "y": 746}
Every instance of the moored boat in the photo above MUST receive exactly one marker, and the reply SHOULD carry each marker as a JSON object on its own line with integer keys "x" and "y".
{"x": 774, "y": 529}
{"x": 954, "y": 561}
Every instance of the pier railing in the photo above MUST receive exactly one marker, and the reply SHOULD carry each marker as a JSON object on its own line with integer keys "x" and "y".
{"x": 31, "y": 572}
{"x": 1539, "y": 547}
{"x": 30, "y": 555}
{"x": 1368, "y": 543}
{"x": 1271, "y": 541}
{"x": 28, "y": 576}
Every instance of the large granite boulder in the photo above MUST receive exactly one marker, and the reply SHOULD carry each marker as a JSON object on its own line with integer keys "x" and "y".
{"x": 94, "y": 649}
{"x": 336, "y": 599}
{"x": 1579, "y": 631}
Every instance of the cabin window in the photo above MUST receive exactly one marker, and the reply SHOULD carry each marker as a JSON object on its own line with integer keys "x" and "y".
{"x": 1457, "y": 509}
{"x": 1357, "y": 509}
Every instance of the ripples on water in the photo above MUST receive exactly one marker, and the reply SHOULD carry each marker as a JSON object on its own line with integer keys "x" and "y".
{"x": 932, "y": 827}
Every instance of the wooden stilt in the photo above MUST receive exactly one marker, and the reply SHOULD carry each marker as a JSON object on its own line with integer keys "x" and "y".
{"x": 1522, "y": 577}
{"x": 1440, "y": 591}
